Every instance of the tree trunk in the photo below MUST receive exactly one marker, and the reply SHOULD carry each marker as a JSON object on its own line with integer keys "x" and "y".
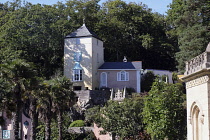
{"x": 60, "y": 125}
{"x": 16, "y": 124}
{"x": 34, "y": 119}
{"x": 18, "y": 112}
{"x": 47, "y": 127}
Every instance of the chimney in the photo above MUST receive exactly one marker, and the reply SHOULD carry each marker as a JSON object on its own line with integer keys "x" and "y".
{"x": 124, "y": 59}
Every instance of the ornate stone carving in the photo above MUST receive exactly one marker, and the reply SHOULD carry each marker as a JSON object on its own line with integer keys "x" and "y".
{"x": 197, "y": 81}
{"x": 198, "y": 63}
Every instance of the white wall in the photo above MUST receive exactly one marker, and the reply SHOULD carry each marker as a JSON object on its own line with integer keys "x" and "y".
{"x": 89, "y": 47}
{"x": 161, "y": 73}
{"x": 198, "y": 95}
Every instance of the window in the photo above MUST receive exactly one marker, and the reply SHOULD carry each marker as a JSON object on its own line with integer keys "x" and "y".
{"x": 103, "y": 79}
{"x": 77, "y": 75}
{"x": 77, "y": 87}
{"x": 123, "y": 76}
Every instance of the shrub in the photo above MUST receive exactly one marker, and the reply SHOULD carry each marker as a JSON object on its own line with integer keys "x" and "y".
{"x": 77, "y": 123}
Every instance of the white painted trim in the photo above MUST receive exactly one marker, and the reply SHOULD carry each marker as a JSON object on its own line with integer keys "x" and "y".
{"x": 138, "y": 81}
{"x": 126, "y": 76}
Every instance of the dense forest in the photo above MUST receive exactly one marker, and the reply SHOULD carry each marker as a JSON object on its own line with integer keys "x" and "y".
{"x": 31, "y": 57}
{"x": 36, "y": 32}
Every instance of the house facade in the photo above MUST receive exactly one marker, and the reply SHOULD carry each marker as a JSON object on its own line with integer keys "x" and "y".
{"x": 120, "y": 75}
{"x": 84, "y": 64}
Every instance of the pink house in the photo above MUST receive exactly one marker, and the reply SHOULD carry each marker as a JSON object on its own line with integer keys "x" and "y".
{"x": 120, "y": 75}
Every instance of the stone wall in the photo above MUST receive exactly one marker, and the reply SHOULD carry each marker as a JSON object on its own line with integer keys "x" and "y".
{"x": 88, "y": 98}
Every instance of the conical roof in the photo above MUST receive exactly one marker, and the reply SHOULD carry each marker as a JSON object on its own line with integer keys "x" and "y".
{"x": 83, "y": 31}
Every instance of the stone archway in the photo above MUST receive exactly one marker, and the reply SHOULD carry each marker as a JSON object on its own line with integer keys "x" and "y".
{"x": 197, "y": 119}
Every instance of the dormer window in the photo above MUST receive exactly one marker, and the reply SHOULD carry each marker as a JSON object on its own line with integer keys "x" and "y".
{"x": 122, "y": 76}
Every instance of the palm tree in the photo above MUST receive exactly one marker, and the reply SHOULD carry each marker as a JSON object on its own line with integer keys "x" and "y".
{"x": 6, "y": 101}
{"x": 34, "y": 88}
{"x": 44, "y": 107}
{"x": 62, "y": 98}
{"x": 17, "y": 73}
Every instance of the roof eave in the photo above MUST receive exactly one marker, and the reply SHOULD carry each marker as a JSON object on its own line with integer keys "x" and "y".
{"x": 83, "y": 36}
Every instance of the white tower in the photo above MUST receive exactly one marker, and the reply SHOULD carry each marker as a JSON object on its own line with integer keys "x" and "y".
{"x": 83, "y": 54}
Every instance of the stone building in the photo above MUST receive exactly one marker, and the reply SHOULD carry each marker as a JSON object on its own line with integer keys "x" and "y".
{"x": 197, "y": 82}
{"x": 84, "y": 64}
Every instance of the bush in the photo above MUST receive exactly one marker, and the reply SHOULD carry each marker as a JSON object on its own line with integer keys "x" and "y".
{"x": 77, "y": 123}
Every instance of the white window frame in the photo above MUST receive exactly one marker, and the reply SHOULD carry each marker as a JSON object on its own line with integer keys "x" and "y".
{"x": 123, "y": 76}
{"x": 77, "y": 75}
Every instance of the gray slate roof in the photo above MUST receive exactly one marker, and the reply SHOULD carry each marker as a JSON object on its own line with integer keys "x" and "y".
{"x": 83, "y": 31}
{"x": 121, "y": 65}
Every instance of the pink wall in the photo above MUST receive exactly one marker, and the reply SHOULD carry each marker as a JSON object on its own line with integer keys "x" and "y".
{"x": 112, "y": 79}
{"x": 97, "y": 133}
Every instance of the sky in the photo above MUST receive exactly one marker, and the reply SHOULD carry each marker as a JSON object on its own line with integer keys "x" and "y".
{"x": 159, "y": 6}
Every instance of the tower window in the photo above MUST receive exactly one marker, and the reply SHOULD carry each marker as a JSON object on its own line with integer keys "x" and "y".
{"x": 77, "y": 75}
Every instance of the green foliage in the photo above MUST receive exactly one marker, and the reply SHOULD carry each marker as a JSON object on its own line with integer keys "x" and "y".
{"x": 93, "y": 115}
{"x": 189, "y": 25}
{"x": 164, "y": 113}
{"x": 122, "y": 119}
{"x": 128, "y": 29}
{"x": 174, "y": 77}
{"x": 54, "y": 128}
{"x": 77, "y": 123}
{"x": 132, "y": 30}
{"x": 146, "y": 81}
{"x": 83, "y": 136}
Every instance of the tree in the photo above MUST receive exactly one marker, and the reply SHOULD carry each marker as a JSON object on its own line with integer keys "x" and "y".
{"x": 33, "y": 31}
{"x": 122, "y": 119}
{"x": 62, "y": 98}
{"x": 31, "y": 104}
{"x": 189, "y": 24}
{"x": 146, "y": 81}
{"x": 164, "y": 113}
{"x": 45, "y": 107}
{"x": 17, "y": 73}
{"x": 6, "y": 99}
{"x": 55, "y": 96}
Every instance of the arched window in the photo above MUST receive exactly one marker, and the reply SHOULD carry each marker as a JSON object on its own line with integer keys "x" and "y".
{"x": 103, "y": 79}
{"x": 122, "y": 76}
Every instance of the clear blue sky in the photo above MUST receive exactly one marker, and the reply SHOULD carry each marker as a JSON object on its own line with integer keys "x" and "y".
{"x": 159, "y": 6}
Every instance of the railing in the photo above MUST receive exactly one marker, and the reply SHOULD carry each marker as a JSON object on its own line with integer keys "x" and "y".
{"x": 198, "y": 63}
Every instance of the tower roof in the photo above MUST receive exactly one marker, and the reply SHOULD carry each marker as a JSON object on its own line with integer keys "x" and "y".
{"x": 83, "y": 31}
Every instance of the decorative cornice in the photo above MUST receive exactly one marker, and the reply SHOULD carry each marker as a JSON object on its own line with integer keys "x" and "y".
{"x": 198, "y": 81}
